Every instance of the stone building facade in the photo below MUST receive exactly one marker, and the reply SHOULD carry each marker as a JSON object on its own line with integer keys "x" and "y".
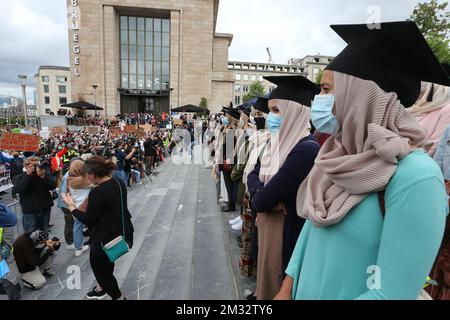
{"x": 53, "y": 89}
{"x": 148, "y": 55}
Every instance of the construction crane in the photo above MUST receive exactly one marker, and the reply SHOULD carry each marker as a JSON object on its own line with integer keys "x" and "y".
{"x": 270, "y": 55}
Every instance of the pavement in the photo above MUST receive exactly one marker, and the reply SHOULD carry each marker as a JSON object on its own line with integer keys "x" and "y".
{"x": 184, "y": 248}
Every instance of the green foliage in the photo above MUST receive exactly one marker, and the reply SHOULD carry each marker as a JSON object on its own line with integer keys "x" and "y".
{"x": 203, "y": 103}
{"x": 319, "y": 76}
{"x": 256, "y": 88}
{"x": 433, "y": 19}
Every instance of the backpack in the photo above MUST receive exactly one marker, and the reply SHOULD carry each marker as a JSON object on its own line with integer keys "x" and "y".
{"x": 8, "y": 218}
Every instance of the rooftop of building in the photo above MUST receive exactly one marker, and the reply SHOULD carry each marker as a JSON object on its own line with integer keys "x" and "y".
{"x": 54, "y": 68}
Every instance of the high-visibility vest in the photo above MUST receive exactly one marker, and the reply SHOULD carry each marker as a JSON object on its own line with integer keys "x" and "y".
{"x": 1, "y": 235}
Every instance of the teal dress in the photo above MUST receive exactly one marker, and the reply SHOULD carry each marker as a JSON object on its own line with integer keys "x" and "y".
{"x": 367, "y": 257}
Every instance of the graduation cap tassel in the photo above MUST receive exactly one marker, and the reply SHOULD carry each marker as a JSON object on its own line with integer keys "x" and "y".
{"x": 431, "y": 94}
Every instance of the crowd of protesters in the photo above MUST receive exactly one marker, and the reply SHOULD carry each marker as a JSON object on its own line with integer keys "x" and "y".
{"x": 86, "y": 175}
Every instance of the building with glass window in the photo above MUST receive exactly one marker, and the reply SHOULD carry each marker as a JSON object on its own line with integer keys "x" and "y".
{"x": 148, "y": 56}
{"x": 52, "y": 89}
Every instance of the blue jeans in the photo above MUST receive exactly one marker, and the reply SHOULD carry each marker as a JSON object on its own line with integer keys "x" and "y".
{"x": 120, "y": 174}
{"x": 36, "y": 221}
{"x": 137, "y": 175}
{"x": 78, "y": 237}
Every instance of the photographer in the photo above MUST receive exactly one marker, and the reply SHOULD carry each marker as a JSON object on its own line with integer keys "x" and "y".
{"x": 34, "y": 186}
{"x": 34, "y": 254}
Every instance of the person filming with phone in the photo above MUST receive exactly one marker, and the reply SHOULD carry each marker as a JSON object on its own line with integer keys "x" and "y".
{"x": 34, "y": 186}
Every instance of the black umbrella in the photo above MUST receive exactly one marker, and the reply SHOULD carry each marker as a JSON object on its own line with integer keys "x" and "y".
{"x": 189, "y": 108}
{"x": 81, "y": 105}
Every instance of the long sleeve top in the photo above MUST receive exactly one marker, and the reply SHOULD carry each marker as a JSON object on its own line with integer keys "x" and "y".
{"x": 104, "y": 212}
{"x": 366, "y": 256}
{"x": 35, "y": 192}
{"x": 442, "y": 155}
{"x": 283, "y": 187}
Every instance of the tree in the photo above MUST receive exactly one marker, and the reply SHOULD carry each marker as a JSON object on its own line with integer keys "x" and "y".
{"x": 203, "y": 103}
{"x": 433, "y": 20}
{"x": 256, "y": 88}
{"x": 319, "y": 76}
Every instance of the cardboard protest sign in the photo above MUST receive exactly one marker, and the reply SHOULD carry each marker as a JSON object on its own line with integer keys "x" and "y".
{"x": 19, "y": 142}
{"x": 93, "y": 130}
{"x": 115, "y": 131}
{"x": 177, "y": 122}
{"x": 58, "y": 130}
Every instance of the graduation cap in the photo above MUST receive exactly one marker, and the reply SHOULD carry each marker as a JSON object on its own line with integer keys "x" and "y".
{"x": 293, "y": 88}
{"x": 396, "y": 57}
{"x": 246, "y": 108}
{"x": 262, "y": 103}
{"x": 232, "y": 112}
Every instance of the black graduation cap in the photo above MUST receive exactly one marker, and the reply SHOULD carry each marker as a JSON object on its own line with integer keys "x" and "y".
{"x": 262, "y": 103}
{"x": 293, "y": 88}
{"x": 396, "y": 57}
{"x": 245, "y": 108}
{"x": 232, "y": 112}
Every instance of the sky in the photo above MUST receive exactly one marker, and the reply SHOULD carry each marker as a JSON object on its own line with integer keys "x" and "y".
{"x": 34, "y": 32}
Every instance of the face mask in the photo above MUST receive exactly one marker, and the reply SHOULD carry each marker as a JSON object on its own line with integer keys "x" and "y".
{"x": 252, "y": 120}
{"x": 260, "y": 123}
{"x": 322, "y": 116}
{"x": 241, "y": 123}
{"x": 274, "y": 122}
{"x": 225, "y": 121}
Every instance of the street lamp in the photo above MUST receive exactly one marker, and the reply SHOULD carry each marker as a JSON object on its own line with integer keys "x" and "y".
{"x": 95, "y": 98}
{"x": 23, "y": 83}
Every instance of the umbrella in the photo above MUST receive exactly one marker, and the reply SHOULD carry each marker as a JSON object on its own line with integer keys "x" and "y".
{"x": 81, "y": 105}
{"x": 189, "y": 108}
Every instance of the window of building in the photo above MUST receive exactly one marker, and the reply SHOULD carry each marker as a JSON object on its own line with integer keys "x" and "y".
{"x": 237, "y": 100}
{"x": 245, "y": 77}
{"x": 245, "y": 89}
{"x": 317, "y": 60}
{"x": 62, "y": 89}
{"x": 145, "y": 53}
{"x": 46, "y": 88}
{"x": 48, "y": 111}
{"x": 61, "y": 79}
{"x": 253, "y": 77}
{"x": 237, "y": 88}
{"x": 47, "y": 100}
{"x": 261, "y": 78}
{"x": 45, "y": 78}
{"x": 238, "y": 77}
{"x": 62, "y": 100}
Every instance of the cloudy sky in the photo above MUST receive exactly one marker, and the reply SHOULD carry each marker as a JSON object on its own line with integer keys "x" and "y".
{"x": 34, "y": 32}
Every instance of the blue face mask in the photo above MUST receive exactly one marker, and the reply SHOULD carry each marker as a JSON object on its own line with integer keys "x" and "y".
{"x": 322, "y": 115}
{"x": 225, "y": 121}
{"x": 274, "y": 122}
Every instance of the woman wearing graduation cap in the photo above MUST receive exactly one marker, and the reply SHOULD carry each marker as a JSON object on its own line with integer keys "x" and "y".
{"x": 375, "y": 201}
{"x": 273, "y": 185}
{"x": 433, "y": 111}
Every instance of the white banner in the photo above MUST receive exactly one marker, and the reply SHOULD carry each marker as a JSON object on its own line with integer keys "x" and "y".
{"x": 5, "y": 178}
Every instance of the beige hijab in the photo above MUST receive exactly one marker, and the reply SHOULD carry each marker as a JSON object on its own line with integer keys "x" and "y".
{"x": 77, "y": 179}
{"x": 295, "y": 127}
{"x": 441, "y": 98}
{"x": 363, "y": 156}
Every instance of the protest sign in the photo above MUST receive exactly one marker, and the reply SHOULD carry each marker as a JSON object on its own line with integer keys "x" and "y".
{"x": 5, "y": 178}
{"x": 58, "y": 130}
{"x": 19, "y": 142}
{"x": 93, "y": 130}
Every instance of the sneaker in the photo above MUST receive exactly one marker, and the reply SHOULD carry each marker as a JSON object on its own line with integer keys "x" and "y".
{"x": 235, "y": 220}
{"x": 237, "y": 226}
{"x": 79, "y": 252}
{"x": 95, "y": 295}
{"x": 48, "y": 272}
{"x": 70, "y": 247}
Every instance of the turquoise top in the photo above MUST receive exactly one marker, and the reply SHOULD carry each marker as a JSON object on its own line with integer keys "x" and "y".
{"x": 392, "y": 257}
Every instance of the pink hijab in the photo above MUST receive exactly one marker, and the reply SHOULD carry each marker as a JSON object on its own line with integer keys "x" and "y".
{"x": 376, "y": 131}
